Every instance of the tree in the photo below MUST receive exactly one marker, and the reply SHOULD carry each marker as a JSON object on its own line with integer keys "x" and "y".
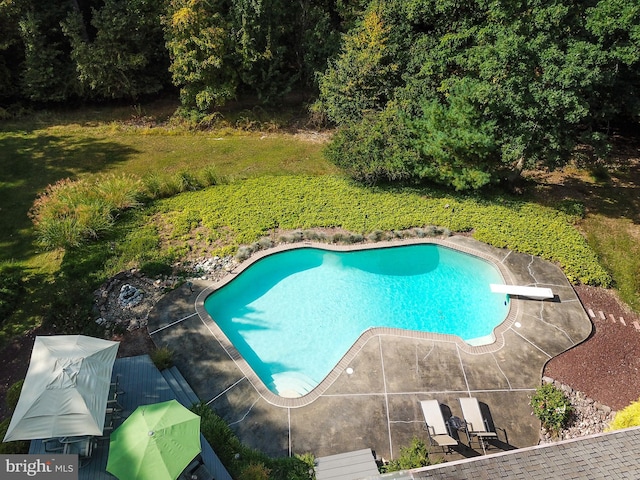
{"x": 490, "y": 88}
{"x": 126, "y": 57}
{"x": 11, "y": 53}
{"x": 615, "y": 27}
{"x": 458, "y": 146}
{"x": 199, "y": 39}
{"x": 262, "y": 27}
{"x": 362, "y": 79}
{"x": 47, "y": 73}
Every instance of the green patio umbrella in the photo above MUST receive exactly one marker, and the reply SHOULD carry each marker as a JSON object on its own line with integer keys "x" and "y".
{"x": 156, "y": 442}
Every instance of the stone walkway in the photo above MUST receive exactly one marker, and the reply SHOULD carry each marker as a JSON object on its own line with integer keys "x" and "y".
{"x": 610, "y": 317}
{"x": 377, "y": 406}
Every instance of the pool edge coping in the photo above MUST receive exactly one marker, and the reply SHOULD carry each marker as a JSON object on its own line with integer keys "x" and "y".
{"x": 356, "y": 347}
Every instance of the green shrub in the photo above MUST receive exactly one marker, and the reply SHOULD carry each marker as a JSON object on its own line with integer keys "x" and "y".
{"x": 255, "y": 471}
{"x": 245, "y": 211}
{"x": 11, "y": 289}
{"x": 10, "y": 448}
{"x": 339, "y": 237}
{"x": 298, "y": 467}
{"x": 68, "y": 213}
{"x": 243, "y": 253}
{"x": 314, "y": 235}
{"x": 377, "y": 236}
{"x": 415, "y": 455}
{"x": 152, "y": 185}
{"x": 156, "y": 186}
{"x": 627, "y": 417}
{"x": 120, "y": 192}
{"x": 13, "y": 394}
{"x": 243, "y": 462}
{"x": 354, "y": 238}
{"x": 156, "y": 268}
{"x": 186, "y": 181}
{"x": 208, "y": 176}
{"x": 162, "y": 358}
{"x": 265, "y": 243}
{"x": 552, "y": 407}
{"x": 377, "y": 149}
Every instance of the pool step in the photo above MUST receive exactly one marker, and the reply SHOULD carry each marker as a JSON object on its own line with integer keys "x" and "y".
{"x": 292, "y": 384}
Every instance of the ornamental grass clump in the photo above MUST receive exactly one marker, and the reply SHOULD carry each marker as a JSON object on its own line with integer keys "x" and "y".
{"x": 552, "y": 407}
{"x": 70, "y": 212}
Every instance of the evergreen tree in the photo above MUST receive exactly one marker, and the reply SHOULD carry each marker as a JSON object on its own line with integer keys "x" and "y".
{"x": 125, "y": 57}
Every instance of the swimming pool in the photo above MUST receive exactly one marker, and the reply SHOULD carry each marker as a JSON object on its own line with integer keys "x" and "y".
{"x": 293, "y": 315}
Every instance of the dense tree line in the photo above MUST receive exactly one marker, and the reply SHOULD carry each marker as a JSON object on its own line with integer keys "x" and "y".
{"x": 71, "y": 50}
{"x": 458, "y": 93}
{"x": 468, "y": 93}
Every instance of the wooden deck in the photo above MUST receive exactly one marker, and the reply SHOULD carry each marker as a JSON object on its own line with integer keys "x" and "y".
{"x": 143, "y": 384}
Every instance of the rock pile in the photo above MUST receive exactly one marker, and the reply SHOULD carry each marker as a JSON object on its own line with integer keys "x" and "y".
{"x": 129, "y": 296}
{"x": 588, "y": 417}
{"x": 214, "y": 266}
{"x": 125, "y": 300}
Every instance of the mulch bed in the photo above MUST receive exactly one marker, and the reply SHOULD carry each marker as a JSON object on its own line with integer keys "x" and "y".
{"x": 606, "y": 367}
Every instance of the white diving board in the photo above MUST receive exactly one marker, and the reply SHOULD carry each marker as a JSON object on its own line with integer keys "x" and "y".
{"x": 531, "y": 292}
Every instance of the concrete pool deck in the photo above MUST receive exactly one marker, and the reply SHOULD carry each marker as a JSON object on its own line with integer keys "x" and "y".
{"x": 377, "y": 405}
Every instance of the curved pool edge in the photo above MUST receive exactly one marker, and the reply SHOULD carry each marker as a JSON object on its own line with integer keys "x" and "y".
{"x": 349, "y": 356}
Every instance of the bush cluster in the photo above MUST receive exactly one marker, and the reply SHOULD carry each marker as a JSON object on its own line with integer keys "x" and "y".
{"x": 164, "y": 185}
{"x": 162, "y": 358}
{"x": 415, "y": 455}
{"x": 244, "y": 212}
{"x": 11, "y": 400}
{"x": 11, "y": 289}
{"x": 627, "y": 417}
{"x": 244, "y": 462}
{"x": 552, "y": 407}
{"x": 70, "y": 212}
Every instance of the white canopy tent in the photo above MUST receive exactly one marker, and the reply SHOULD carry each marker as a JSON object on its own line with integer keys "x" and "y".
{"x": 66, "y": 388}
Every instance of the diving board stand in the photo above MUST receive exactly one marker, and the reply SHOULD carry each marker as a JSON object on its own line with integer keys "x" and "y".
{"x": 536, "y": 293}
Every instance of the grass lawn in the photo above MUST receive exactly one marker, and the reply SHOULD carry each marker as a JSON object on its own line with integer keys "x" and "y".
{"x": 31, "y": 160}
{"x": 43, "y": 149}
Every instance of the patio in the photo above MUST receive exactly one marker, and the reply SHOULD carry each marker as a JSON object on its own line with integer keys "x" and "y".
{"x": 377, "y": 405}
{"x": 142, "y": 384}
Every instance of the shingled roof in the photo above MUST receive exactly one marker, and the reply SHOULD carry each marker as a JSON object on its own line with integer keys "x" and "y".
{"x": 613, "y": 455}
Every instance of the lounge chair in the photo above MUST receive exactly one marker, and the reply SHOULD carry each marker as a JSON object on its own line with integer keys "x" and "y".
{"x": 475, "y": 424}
{"x": 436, "y": 427}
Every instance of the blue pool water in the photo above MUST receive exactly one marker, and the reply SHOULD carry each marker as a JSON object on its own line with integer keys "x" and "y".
{"x": 293, "y": 315}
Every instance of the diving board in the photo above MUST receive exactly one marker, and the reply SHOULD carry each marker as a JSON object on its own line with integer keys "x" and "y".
{"x": 531, "y": 292}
